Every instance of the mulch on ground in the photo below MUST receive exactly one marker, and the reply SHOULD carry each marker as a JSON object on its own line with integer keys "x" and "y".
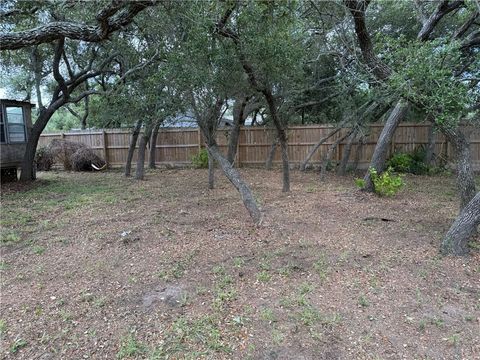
{"x": 98, "y": 266}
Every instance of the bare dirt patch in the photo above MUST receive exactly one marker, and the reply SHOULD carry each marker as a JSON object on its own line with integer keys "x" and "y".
{"x": 98, "y": 266}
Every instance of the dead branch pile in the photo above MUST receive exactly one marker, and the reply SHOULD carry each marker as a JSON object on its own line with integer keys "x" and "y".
{"x": 44, "y": 158}
{"x": 73, "y": 155}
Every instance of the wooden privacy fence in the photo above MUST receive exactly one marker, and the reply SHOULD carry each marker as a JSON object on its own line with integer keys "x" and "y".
{"x": 176, "y": 146}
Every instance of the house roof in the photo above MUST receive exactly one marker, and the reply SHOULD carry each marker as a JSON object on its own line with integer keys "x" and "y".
{"x": 16, "y": 102}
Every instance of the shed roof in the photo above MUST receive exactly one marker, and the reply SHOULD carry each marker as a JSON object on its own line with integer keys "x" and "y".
{"x": 16, "y": 102}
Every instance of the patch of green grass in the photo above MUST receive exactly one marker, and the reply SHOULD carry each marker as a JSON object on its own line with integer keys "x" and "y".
{"x": 9, "y": 237}
{"x": 130, "y": 347}
{"x": 453, "y": 339}
{"x": 277, "y": 337}
{"x": 306, "y": 288}
{"x": 238, "y": 262}
{"x": 267, "y": 314}
{"x": 264, "y": 276}
{"x": 438, "y": 322}
{"x": 363, "y": 301}
{"x": 309, "y": 315}
{"x": 218, "y": 270}
{"x": 38, "y": 250}
{"x": 192, "y": 339}
{"x": 17, "y": 345}
{"x": 3, "y": 265}
{"x": 3, "y": 327}
{"x": 321, "y": 267}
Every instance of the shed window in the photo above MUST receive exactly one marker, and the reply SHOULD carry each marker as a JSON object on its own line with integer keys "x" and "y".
{"x": 16, "y": 124}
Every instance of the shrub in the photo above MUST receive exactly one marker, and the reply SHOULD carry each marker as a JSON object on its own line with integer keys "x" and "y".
{"x": 201, "y": 159}
{"x": 386, "y": 184}
{"x": 413, "y": 163}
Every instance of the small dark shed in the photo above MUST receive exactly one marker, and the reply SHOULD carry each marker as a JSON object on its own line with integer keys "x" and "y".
{"x": 15, "y": 127}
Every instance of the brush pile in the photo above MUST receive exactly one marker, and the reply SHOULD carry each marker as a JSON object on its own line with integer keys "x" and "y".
{"x": 73, "y": 155}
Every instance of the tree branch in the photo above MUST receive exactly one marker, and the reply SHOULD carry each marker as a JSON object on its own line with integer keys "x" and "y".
{"x": 123, "y": 15}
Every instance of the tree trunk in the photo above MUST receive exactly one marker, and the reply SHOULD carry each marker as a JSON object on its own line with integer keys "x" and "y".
{"x": 328, "y": 155}
{"x": 316, "y": 146}
{"x": 234, "y": 176}
{"x": 381, "y": 149}
{"x": 211, "y": 171}
{"x": 342, "y": 168}
{"x": 282, "y": 138}
{"x": 153, "y": 146}
{"x": 463, "y": 228}
{"x": 28, "y": 163}
{"x": 131, "y": 149}
{"x": 358, "y": 152}
{"x": 463, "y": 157}
{"x": 238, "y": 119}
{"x": 430, "y": 150}
{"x": 142, "y": 146}
{"x": 271, "y": 155}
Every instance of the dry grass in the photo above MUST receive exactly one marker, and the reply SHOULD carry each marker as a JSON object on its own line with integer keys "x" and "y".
{"x": 322, "y": 278}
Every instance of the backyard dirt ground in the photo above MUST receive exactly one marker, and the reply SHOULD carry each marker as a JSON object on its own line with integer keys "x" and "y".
{"x": 97, "y": 266}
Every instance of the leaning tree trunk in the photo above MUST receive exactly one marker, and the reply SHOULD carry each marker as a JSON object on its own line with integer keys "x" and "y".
{"x": 211, "y": 171}
{"x": 358, "y": 152}
{"x": 463, "y": 228}
{"x": 131, "y": 149}
{"x": 238, "y": 117}
{"x": 463, "y": 157}
{"x": 328, "y": 155}
{"x": 153, "y": 146}
{"x": 316, "y": 146}
{"x": 381, "y": 149}
{"x": 342, "y": 168}
{"x": 282, "y": 138}
{"x": 142, "y": 146}
{"x": 234, "y": 176}
{"x": 28, "y": 162}
{"x": 430, "y": 150}
{"x": 271, "y": 155}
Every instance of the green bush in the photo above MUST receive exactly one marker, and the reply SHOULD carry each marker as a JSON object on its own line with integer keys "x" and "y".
{"x": 360, "y": 183}
{"x": 200, "y": 161}
{"x": 413, "y": 163}
{"x": 386, "y": 184}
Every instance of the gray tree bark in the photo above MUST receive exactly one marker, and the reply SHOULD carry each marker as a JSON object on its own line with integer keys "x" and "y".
{"x": 342, "y": 167}
{"x": 381, "y": 148}
{"x": 142, "y": 146}
{"x": 234, "y": 176}
{"x": 271, "y": 155}
{"x": 314, "y": 149}
{"x": 131, "y": 148}
{"x": 113, "y": 17}
{"x": 465, "y": 176}
{"x": 328, "y": 155}
{"x": 430, "y": 149}
{"x": 464, "y": 227}
{"x": 211, "y": 172}
{"x": 153, "y": 146}
{"x": 238, "y": 120}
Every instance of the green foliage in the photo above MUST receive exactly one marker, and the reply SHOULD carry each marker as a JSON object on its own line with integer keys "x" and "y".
{"x": 413, "y": 163}
{"x": 422, "y": 73}
{"x": 386, "y": 184}
{"x": 130, "y": 347}
{"x": 200, "y": 160}
{"x": 360, "y": 183}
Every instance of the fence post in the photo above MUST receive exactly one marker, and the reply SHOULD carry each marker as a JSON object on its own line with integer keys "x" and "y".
{"x": 237, "y": 155}
{"x": 105, "y": 147}
{"x": 199, "y": 139}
